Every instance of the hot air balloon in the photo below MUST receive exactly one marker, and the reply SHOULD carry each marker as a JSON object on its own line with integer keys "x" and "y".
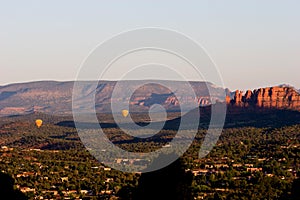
{"x": 38, "y": 123}
{"x": 125, "y": 113}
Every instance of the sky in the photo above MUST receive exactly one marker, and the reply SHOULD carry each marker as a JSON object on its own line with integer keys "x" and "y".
{"x": 254, "y": 43}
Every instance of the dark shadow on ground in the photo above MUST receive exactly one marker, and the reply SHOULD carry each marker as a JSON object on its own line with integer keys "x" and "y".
{"x": 7, "y": 191}
{"x": 236, "y": 117}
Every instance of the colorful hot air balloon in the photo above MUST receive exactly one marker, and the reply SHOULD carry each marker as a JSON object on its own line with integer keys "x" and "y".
{"x": 38, "y": 123}
{"x": 125, "y": 113}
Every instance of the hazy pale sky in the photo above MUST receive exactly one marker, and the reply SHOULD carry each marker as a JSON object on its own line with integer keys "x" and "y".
{"x": 254, "y": 43}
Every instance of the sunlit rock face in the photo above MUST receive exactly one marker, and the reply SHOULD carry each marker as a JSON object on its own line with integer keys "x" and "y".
{"x": 271, "y": 97}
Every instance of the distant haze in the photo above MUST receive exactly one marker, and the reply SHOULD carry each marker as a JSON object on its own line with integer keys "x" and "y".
{"x": 254, "y": 43}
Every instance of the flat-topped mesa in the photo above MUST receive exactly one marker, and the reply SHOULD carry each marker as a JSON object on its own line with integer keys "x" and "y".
{"x": 271, "y": 97}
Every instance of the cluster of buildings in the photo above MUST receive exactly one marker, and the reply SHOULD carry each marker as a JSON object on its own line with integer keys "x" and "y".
{"x": 220, "y": 166}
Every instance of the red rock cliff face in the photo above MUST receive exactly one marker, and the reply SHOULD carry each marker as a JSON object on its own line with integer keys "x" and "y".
{"x": 273, "y": 97}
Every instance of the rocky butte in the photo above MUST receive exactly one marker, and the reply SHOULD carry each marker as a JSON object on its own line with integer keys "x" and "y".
{"x": 270, "y": 97}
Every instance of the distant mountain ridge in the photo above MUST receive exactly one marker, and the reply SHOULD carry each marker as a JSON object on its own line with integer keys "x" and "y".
{"x": 43, "y": 96}
{"x": 55, "y": 98}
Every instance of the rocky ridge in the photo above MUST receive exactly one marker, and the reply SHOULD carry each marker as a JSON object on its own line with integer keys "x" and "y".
{"x": 271, "y": 97}
{"x": 56, "y": 97}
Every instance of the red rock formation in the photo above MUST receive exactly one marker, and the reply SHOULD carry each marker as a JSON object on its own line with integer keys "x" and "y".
{"x": 238, "y": 97}
{"x": 172, "y": 100}
{"x": 228, "y": 100}
{"x": 273, "y": 97}
{"x": 248, "y": 95}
